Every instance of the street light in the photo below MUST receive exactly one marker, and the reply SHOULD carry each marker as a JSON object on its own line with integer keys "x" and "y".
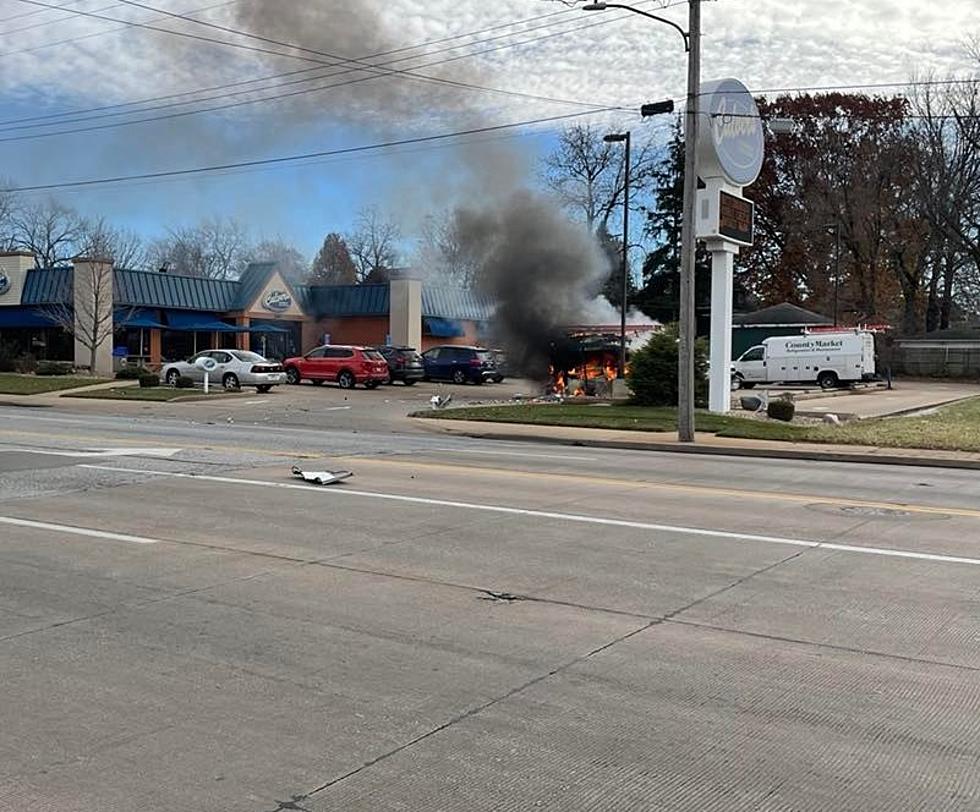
{"x": 688, "y": 328}
{"x": 624, "y": 138}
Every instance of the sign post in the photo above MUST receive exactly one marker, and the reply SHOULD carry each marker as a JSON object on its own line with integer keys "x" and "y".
{"x": 731, "y": 148}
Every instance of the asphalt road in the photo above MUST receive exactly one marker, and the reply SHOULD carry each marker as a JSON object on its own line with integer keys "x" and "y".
{"x": 470, "y": 626}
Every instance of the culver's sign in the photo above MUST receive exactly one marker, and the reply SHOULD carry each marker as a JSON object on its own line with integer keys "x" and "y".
{"x": 731, "y": 142}
{"x": 277, "y": 301}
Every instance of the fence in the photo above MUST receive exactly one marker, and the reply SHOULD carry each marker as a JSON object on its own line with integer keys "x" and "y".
{"x": 937, "y": 358}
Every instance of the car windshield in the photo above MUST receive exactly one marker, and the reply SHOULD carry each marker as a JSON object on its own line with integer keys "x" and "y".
{"x": 248, "y": 357}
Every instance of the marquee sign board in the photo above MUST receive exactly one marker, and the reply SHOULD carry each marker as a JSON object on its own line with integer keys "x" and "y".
{"x": 724, "y": 216}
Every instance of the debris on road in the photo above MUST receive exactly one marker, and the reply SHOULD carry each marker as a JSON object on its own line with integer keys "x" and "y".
{"x": 321, "y": 477}
{"x": 441, "y": 401}
{"x": 831, "y": 420}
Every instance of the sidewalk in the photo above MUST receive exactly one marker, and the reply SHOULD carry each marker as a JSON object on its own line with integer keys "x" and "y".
{"x": 43, "y": 399}
{"x": 706, "y": 444}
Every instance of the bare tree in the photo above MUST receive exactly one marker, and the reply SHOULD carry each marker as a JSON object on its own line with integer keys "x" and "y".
{"x": 373, "y": 246}
{"x": 216, "y": 248}
{"x": 50, "y": 231}
{"x": 947, "y": 176}
{"x": 7, "y": 207}
{"x": 288, "y": 259}
{"x": 89, "y": 318}
{"x": 588, "y": 174}
{"x": 443, "y": 254}
{"x": 125, "y": 248}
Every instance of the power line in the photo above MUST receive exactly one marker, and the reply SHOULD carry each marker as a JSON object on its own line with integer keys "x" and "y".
{"x": 426, "y": 139}
{"x": 282, "y": 96}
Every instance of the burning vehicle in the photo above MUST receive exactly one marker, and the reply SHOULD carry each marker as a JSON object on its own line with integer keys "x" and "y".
{"x": 585, "y": 359}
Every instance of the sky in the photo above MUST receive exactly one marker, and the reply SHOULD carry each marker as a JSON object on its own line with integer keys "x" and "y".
{"x": 475, "y": 64}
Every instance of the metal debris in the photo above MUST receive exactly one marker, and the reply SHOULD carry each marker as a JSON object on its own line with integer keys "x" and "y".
{"x": 441, "y": 401}
{"x": 321, "y": 477}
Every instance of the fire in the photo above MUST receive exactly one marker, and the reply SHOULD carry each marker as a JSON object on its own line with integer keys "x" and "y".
{"x": 593, "y": 377}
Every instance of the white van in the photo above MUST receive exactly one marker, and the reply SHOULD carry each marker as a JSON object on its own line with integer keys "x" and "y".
{"x": 828, "y": 359}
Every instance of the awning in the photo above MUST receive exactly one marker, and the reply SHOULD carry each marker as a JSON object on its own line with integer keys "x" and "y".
{"x": 19, "y": 318}
{"x": 198, "y": 322}
{"x": 442, "y": 328}
{"x": 138, "y": 318}
{"x": 266, "y": 328}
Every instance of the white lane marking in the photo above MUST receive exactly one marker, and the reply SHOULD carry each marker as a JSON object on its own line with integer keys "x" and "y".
{"x": 515, "y": 454}
{"x": 77, "y": 531}
{"x": 253, "y": 402}
{"x": 566, "y": 517}
{"x": 334, "y": 409}
{"x": 101, "y": 453}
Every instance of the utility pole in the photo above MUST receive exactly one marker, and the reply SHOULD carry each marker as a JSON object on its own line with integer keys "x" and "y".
{"x": 836, "y": 272}
{"x": 688, "y": 323}
{"x": 625, "y": 139}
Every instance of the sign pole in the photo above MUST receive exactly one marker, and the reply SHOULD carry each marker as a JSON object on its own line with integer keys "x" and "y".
{"x": 722, "y": 285}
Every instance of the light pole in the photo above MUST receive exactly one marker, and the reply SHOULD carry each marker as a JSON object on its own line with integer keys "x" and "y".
{"x": 614, "y": 138}
{"x": 836, "y": 229}
{"x": 688, "y": 328}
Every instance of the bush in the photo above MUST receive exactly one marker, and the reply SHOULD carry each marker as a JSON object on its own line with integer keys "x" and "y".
{"x": 49, "y": 368}
{"x": 653, "y": 371}
{"x": 781, "y": 410}
{"x": 26, "y": 364}
{"x": 8, "y": 358}
{"x": 148, "y": 380}
{"x": 131, "y": 373}
{"x": 183, "y": 382}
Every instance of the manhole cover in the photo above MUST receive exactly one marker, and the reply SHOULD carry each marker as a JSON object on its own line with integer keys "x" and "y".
{"x": 875, "y": 512}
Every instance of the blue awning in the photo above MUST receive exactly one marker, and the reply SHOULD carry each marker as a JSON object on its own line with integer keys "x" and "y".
{"x": 138, "y": 318}
{"x": 19, "y": 317}
{"x": 266, "y": 328}
{"x": 197, "y": 322}
{"x": 442, "y": 328}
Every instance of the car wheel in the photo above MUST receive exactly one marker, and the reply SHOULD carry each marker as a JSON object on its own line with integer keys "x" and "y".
{"x": 230, "y": 382}
{"x": 346, "y": 380}
{"x": 172, "y": 377}
{"x": 264, "y": 388}
{"x": 498, "y": 378}
{"x": 409, "y": 382}
{"x": 828, "y": 380}
{"x": 459, "y": 376}
{"x": 292, "y": 376}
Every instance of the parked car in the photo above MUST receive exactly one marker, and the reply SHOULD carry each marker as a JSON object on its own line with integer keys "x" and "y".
{"x": 346, "y": 365}
{"x": 404, "y": 364}
{"x": 459, "y": 364}
{"x": 503, "y": 368}
{"x": 235, "y": 369}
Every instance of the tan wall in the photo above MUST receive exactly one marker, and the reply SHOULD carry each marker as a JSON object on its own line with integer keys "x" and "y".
{"x": 405, "y": 312}
{"x": 93, "y": 314}
{"x": 15, "y": 266}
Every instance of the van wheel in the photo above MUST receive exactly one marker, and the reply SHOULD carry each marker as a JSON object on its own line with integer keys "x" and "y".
{"x": 828, "y": 380}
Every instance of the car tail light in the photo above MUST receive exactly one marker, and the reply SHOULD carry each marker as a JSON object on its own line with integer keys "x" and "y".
{"x": 476, "y": 362}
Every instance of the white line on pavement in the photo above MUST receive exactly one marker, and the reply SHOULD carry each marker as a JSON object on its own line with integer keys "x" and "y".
{"x": 76, "y": 531}
{"x": 567, "y": 517}
{"x": 107, "y": 452}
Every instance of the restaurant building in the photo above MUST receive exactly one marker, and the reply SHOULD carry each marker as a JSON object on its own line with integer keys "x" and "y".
{"x": 158, "y": 317}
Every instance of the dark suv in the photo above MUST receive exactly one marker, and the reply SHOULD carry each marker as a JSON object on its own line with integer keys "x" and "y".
{"x": 404, "y": 364}
{"x": 459, "y": 364}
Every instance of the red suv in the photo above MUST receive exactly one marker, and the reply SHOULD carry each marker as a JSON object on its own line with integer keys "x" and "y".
{"x": 348, "y": 366}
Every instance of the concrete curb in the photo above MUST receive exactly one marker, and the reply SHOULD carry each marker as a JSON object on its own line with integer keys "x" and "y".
{"x": 727, "y": 451}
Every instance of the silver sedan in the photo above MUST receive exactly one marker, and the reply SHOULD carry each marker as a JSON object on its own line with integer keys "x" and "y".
{"x": 233, "y": 369}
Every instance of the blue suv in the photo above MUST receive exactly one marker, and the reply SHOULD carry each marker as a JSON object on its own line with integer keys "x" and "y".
{"x": 459, "y": 364}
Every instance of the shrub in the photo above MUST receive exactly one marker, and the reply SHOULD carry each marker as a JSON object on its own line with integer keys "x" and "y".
{"x": 148, "y": 380}
{"x": 781, "y": 410}
{"x": 54, "y": 368}
{"x": 653, "y": 371}
{"x": 8, "y": 358}
{"x": 183, "y": 382}
{"x": 131, "y": 373}
{"x": 26, "y": 364}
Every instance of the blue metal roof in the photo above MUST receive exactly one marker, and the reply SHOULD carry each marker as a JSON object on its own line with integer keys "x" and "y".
{"x": 455, "y": 303}
{"x": 251, "y": 282}
{"x": 154, "y": 289}
{"x": 349, "y": 300}
{"x": 47, "y": 286}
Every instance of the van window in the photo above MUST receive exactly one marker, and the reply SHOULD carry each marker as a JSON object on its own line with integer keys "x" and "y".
{"x": 755, "y": 354}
